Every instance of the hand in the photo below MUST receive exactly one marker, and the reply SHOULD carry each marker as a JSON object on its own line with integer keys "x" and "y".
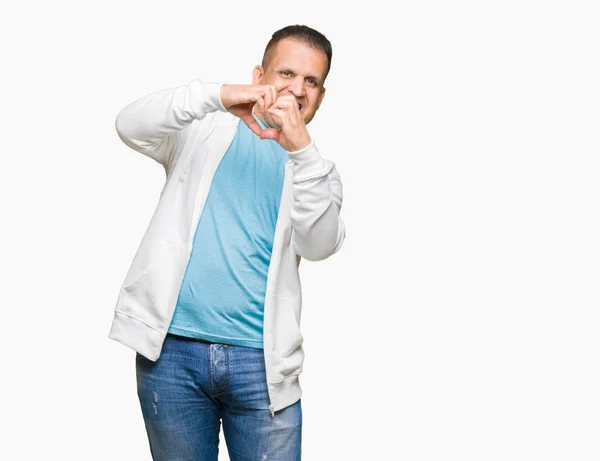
{"x": 293, "y": 134}
{"x": 241, "y": 99}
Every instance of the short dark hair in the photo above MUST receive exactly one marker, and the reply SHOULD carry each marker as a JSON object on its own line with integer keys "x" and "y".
{"x": 303, "y": 34}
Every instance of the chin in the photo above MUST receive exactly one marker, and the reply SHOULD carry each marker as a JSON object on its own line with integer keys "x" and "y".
{"x": 272, "y": 121}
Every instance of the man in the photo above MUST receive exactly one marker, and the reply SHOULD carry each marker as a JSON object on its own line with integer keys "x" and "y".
{"x": 211, "y": 303}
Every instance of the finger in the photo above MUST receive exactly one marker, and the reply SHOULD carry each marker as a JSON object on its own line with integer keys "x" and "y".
{"x": 282, "y": 114}
{"x": 290, "y": 105}
{"x": 286, "y": 109}
{"x": 249, "y": 120}
{"x": 288, "y": 99}
{"x": 270, "y": 96}
{"x": 260, "y": 100}
{"x": 273, "y": 89}
{"x": 284, "y": 103}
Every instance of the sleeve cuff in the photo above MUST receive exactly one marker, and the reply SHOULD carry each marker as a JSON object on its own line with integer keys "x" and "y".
{"x": 213, "y": 91}
{"x": 300, "y": 151}
{"x": 308, "y": 163}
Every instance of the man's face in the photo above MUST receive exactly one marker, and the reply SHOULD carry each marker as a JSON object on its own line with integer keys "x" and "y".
{"x": 295, "y": 69}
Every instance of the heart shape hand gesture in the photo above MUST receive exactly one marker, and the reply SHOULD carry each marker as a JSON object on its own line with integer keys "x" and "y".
{"x": 281, "y": 114}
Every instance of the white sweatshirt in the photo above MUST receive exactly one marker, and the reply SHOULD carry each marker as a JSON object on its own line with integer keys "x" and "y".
{"x": 188, "y": 130}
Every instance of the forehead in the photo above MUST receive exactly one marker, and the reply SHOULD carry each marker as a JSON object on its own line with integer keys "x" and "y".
{"x": 300, "y": 57}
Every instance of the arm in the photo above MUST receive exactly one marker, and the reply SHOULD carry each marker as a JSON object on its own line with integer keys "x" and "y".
{"x": 318, "y": 229}
{"x": 153, "y": 125}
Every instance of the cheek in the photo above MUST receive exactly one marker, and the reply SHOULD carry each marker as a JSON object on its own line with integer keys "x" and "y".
{"x": 314, "y": 101}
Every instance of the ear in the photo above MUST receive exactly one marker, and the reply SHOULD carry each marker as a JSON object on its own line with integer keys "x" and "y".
{"x": 321, "y": 96}
{"x": 257, "y": 74}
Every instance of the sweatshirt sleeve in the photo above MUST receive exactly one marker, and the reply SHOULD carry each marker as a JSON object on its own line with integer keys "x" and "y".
{"x": 153, "y": 125}
{"x": 318, "y": 229}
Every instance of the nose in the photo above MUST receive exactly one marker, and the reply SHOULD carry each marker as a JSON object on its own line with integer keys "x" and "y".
{"x": 297, "y": 87}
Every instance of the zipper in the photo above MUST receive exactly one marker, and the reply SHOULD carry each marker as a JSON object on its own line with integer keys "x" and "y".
{"x": 270, "y": 274}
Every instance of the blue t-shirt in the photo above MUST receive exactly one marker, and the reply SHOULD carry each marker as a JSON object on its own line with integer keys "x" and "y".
{"x": 223, "y": 291}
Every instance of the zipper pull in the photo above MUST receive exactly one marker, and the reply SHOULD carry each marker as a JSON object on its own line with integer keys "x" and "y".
{"x": 272, "y": 411}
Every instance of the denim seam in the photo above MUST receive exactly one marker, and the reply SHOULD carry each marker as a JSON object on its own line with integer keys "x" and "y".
{"x": 211, "y": 359}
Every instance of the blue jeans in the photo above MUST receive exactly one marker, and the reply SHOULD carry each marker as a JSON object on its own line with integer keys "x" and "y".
{"x": 194, "y": 385}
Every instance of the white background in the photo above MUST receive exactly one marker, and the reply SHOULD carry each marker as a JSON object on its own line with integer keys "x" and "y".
{"x": 460, "y": 321}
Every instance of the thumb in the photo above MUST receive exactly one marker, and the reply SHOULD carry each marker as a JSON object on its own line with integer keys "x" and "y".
{"x": 252, "y": 123}
{"x": 270, "y": 133}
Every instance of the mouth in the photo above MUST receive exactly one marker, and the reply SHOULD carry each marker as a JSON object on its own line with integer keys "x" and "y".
{"x": 299, "y": 106}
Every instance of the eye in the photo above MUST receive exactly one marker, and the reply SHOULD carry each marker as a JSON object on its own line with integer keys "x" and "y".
{"x": 287, "y": 73}
{"x": 312, "y": 81}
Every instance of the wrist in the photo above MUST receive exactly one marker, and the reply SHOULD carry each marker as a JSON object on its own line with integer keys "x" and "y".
{"x": 220, "y": 97}
{"x": 299, "y": 144}
{"x": 303, "y": 147}
{"x": 225, "y": 96}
